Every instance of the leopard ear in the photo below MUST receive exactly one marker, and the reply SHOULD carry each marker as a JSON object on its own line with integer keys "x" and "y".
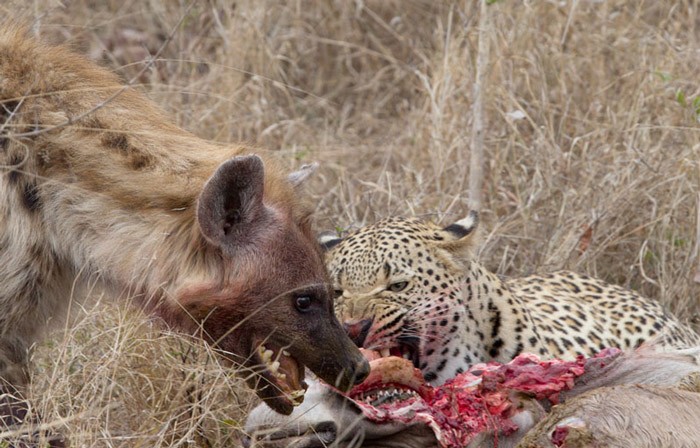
{"x": 458, "y": 238}
{"x": 464, "y": 227}
{"x": 328, "y": 240}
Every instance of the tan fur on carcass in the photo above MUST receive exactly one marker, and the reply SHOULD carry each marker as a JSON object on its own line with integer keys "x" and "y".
{"x": 637, "y": 416}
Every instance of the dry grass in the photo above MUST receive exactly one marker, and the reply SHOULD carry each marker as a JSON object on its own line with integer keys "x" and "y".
{"x": 592, "y": 156}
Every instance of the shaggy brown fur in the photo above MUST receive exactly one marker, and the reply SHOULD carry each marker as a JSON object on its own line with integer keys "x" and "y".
{"x": 95, "y": 185}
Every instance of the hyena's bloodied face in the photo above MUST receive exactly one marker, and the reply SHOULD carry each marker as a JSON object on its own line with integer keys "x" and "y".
{"x": 273, "y": 310}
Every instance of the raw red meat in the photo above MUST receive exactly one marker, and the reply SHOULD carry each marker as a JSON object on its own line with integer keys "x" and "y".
{"x": 481, "y": 399}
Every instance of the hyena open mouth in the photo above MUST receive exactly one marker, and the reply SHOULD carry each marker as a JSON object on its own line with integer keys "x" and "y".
{"x": 283, "y": 375}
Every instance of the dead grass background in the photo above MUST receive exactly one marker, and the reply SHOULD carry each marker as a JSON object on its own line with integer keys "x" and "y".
{"x": 592, "y": 156}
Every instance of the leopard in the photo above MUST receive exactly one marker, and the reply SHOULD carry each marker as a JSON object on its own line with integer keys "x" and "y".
{"x": 408, "y": 287}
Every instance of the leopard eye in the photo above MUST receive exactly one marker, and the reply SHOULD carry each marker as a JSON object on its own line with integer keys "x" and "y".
{"x": 337, "y": 293}
{"x": 398, "y": 286}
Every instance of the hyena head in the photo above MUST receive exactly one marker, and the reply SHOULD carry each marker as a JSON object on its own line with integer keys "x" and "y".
{"x": 271, "y": 309}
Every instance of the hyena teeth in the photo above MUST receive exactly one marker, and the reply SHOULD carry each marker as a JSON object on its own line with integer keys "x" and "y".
{"x": 297, "y": 393}
{"x": 273, "y": 366}
{"x": 385, "y": 352}
{"x": 267, "y": 356}
{"x": 297, "y": 396}
{"x": 285, "y": 353}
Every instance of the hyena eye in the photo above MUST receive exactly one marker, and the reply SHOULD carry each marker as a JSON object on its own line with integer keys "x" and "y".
{"x": 398, "y": 286}
{"x": 302, "y": 303}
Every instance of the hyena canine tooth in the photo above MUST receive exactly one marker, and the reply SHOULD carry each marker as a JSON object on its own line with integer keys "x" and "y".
{"x": 209, "y": 237}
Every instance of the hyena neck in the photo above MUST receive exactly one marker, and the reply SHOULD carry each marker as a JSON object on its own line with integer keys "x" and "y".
{"x": 137, "y": 251}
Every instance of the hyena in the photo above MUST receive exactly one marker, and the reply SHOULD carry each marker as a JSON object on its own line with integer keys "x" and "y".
{"x": 96, "y": 182}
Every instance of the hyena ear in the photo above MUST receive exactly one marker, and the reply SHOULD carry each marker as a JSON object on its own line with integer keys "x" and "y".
{"x": 328, "y": 240}
{"x": 298, "y": 178}
{"x": 231, "y": 200}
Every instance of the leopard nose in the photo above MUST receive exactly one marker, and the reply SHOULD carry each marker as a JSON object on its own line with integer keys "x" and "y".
{"x": 358, "y": 330}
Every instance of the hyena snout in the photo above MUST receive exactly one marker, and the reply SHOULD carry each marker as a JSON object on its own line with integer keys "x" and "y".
{"x": 341, "y": 364}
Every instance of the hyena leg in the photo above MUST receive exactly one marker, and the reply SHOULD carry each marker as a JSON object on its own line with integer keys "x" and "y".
{"x": 13, "y": 378}
{"x": 15, "y": 410}
{"x": 24, "y": 313}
